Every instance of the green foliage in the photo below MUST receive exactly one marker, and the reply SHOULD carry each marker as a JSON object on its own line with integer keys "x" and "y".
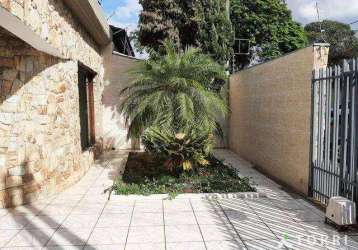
{"x": 203, "y": 24}
{"x": 215, "y": 34}
{"x": 158, "y": 22}
{"x": 221, "y": 178}
{"x": 186, "y": 151}
{"x": 173, "y": 92}
{"x": 268, "y": 24}
{"x": 344, "y": 44}
{"x": 165, "y": 185}
{"x": 214, "y": 178}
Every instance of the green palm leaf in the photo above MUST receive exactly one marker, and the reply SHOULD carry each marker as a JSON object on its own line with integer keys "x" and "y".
{"x": 173, "y": 92}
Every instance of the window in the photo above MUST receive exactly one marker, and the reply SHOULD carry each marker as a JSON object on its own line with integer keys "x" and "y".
{"x": 86, "y": 107}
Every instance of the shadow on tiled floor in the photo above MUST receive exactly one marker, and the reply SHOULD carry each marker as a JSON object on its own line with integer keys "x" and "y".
{"x": 83, "y": 218}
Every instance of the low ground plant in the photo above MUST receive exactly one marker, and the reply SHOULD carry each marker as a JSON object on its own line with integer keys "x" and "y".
{"x": 145, "y": 175}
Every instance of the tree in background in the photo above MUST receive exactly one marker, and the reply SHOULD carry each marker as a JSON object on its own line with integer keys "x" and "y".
{"x": 344, "y": 44}
{"x": 158, "y": 21}
{"x": 200, "y": 23}
{"x": 268, "y": 25}
{"x": 215, "y": 34}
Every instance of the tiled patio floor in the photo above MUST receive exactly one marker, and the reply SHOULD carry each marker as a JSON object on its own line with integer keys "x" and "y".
{"x": 82, "y": 218}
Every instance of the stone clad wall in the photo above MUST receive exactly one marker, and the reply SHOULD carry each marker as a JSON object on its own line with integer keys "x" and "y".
{"x": 271, "y": 115}
{"x": 56, "y": 24}
{"x": 40, "y": 149}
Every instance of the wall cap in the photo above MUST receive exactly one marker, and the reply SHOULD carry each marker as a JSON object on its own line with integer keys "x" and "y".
{"x": 16, "y": 27}
{"x": 321, "y": 45}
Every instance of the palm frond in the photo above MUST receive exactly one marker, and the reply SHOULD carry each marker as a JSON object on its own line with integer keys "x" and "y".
{"x": 173, "y": 91}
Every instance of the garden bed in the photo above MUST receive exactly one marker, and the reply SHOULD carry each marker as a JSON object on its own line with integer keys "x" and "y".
{"x": 145, "y": 174}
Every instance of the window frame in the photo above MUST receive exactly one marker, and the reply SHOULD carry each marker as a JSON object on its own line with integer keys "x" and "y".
{"x": 86, "y": 107}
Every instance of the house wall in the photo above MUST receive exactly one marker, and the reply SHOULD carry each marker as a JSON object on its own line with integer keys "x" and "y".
{"x": 271, "y": 115}
{"x": 117, "y": 77}
{"x": 40, "y": 151}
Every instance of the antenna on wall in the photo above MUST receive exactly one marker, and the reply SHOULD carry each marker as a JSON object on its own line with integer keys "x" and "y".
{"x": 319, "y": 18}
{"x": 321, "y": 30}
{"x": 111, "y": 15}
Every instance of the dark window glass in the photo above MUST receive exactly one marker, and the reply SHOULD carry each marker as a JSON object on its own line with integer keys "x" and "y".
{"x": 85, "y": 107}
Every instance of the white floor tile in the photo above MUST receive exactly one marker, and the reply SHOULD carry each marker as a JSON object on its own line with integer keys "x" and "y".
{"x": 146, "y": 234}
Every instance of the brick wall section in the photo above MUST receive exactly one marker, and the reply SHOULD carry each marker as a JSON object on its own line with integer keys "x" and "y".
{"x": 40, "y": 151}
{"x": 270, "y": 115}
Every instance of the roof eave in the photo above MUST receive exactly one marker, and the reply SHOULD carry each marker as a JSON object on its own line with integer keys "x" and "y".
{"x": 92, "y": 17}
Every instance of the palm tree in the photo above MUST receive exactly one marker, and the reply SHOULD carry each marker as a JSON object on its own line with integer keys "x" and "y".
{"x": 173, "y": 91}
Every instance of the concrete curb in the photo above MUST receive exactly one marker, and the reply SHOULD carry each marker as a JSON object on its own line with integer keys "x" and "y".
{"x": 207, "y": 196}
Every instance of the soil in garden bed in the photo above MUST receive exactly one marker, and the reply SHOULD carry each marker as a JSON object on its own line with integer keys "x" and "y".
{"x": 145, "y": 174}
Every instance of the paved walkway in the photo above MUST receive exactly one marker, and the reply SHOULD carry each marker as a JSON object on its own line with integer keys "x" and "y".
{"x": 82, "y": 218}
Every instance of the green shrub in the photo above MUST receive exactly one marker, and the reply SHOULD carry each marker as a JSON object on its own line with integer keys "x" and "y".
{"x": 213, "y": 178}
{"x": 181, "y": 151}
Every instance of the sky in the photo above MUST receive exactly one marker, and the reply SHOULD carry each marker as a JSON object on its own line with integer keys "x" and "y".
{"x": 304, "y": 11}
{"x": 124, "y": 13}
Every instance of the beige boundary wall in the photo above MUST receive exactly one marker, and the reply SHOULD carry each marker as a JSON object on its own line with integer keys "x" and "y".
{"x": 271, "y": 115}
{"x": 117, "y": 77}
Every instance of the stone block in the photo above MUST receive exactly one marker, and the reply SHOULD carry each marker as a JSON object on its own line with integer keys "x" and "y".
{"x": 34, "y": 156}
{"x": 13, "y": 99}
{"x": 17, "y": 9}
{"x": 51, "y": 109}
{"x": 51, "y": 99}
{"x": 9, "y": 107}
{"x": 61, "y": 88}
{"x": 13, "y": 145}
{"x": 15, "y": 200}
{"x": 2, "y": 197}
{"x": 60, "y": 99}
{"x": 9, "y": 74}
{"x": 35, "y": 166}
{"x": 39, "y": 100}
{"x": 21, "y": 155}
{"x": 16, "y": 171}
{"x": 6, "y": 62}
{"x": 31, "y": 197}
{"x": 37, "y": 86}
{"x": 5, "y": 4}
{"x": 29, "y": 65}
{"x": 16, "y": 85}
{"x": 6, "y": 118}
{"x": 38, "y": 177}
{"x": 11, "y": 159}
{"x": 23, "y": 76}
{"x": 6, "y": 88}
{"x": 42, "y": 119}
{"x": 28, "y": 178}
{"x": 2, "y": 161}
{"x": 44, "y": 31}
{"x": 13, "y": 181}
{"x": 42, "y": 110}
{"x": 15, "y": 191}
{"x": 19, "y": 63}
{"x": 4, "y": 142}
